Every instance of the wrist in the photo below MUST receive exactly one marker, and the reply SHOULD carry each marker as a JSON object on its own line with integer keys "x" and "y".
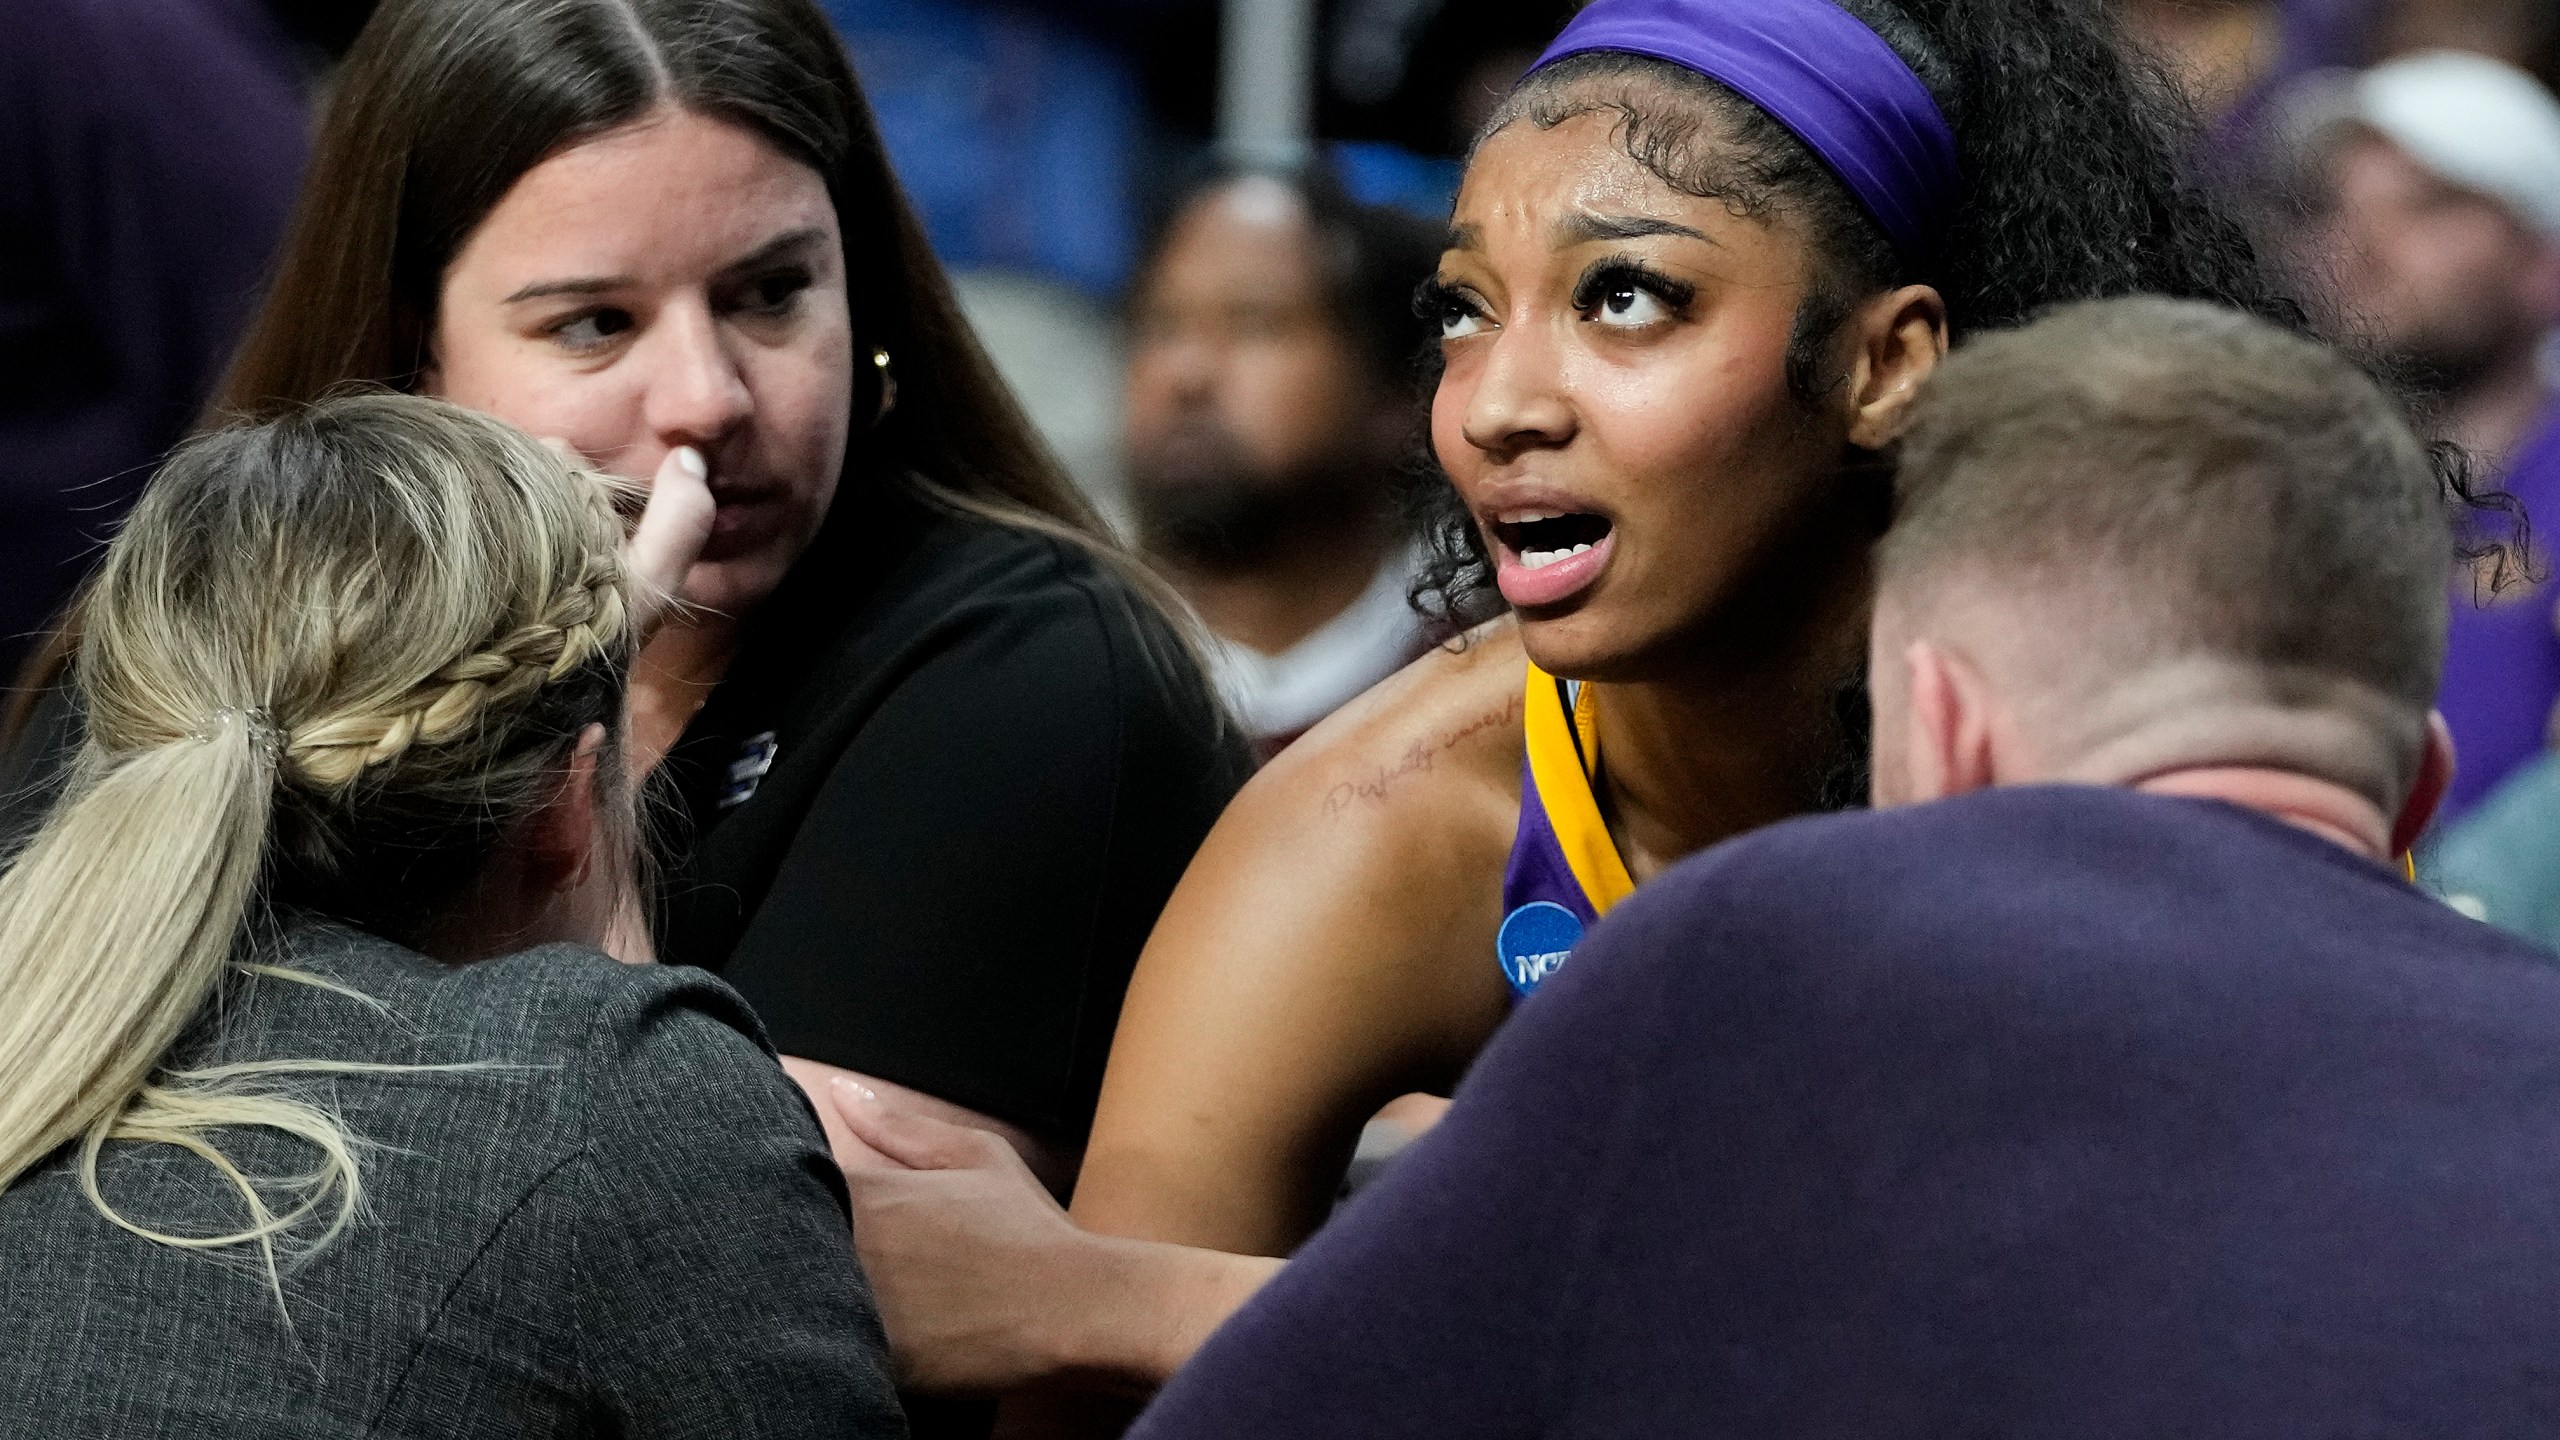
{"x": 1108, "y": 1336}
{"x": 1147, "y": 1305}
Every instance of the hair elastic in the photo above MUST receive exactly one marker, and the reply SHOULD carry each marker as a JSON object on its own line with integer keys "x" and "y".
{"x": 255, "y": 722}
{"x": 1818, "y": 71}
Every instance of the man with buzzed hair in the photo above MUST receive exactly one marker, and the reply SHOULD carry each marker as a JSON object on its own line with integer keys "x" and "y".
{"x": 2126, "y": 1088}
{"x": 2159, "y": 545}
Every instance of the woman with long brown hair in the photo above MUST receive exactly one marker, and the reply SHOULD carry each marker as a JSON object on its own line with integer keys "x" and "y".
{"x": 939, "y": 755}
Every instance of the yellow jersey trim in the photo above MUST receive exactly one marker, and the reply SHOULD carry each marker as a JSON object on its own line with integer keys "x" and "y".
{"x": 1564, "y": 756}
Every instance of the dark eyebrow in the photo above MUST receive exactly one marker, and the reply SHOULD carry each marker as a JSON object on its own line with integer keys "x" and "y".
{"x": 1582, "y": 228}
{"x": 585, "y": 285}
{"x": 1463, "y": 237}
{"x": 765, "y": 254}
{"x": 776, "y": 248}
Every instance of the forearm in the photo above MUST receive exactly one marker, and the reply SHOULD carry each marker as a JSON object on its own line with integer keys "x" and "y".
{"x": 1145, "y": 1306}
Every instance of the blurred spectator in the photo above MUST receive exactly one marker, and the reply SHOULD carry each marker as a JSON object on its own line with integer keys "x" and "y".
{"x": 1033, "y": 134}
{"x": 2436, "y": 185}
{"x": 1271, "y": 401}
{"x": 148, "y": 156}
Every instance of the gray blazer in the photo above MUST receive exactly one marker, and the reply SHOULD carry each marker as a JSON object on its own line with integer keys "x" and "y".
{"x": 628, "y": 1227}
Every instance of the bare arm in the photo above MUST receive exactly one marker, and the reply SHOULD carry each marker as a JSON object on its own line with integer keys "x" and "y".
{"x": 1329, "y": 950}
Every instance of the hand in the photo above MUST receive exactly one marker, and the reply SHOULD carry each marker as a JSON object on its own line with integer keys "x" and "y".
{"x": 676, "y": 511}
{"x": 673, "y": 528}
{"x": 1052, "y": 1161}
{"x": 985, "y": 1284}
{"x": 970, "y": 1259}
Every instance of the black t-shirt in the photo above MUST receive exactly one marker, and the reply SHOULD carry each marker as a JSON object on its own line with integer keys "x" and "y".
{"x": 2061, "y": 1111}
{"x": 927, "y": 838}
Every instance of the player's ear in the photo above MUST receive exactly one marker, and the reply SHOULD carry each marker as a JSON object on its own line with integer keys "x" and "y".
{"x": 1899, "y": 339}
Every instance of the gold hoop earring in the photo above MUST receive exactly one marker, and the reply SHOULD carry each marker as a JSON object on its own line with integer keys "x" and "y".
{"x": 888, "y": 386}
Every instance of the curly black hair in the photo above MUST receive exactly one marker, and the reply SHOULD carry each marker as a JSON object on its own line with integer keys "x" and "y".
{"x": 2074, "y": 187}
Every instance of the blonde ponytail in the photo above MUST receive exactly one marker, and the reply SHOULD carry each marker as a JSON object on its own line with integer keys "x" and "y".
{"x": 329, "y": 661}
{"x": 116, "y": 921}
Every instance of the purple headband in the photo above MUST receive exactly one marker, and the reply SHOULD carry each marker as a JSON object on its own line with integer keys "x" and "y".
{"x": 1819, "y": 72}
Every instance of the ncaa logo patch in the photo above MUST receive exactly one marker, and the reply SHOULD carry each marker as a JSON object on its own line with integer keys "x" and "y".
{"x": 1533, "y": 943}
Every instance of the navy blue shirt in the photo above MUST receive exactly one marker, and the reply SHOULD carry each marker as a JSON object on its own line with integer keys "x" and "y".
{"x": 2043, "y": 1112}
{"x": 149, "y": 154}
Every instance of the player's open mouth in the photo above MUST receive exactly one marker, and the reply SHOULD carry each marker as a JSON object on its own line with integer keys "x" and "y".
{"x": 1549, "y": 537}
{"x": 1546, "y": 556}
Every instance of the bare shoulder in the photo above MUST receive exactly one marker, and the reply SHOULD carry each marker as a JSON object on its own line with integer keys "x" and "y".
{"x": 1440, "y": 736}
{"x": 1376, "y": 842}
{"x": 1330, "y": 948}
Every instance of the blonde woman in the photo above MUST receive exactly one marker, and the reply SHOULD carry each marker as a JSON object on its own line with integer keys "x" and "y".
{"x": 321, "y": 1112}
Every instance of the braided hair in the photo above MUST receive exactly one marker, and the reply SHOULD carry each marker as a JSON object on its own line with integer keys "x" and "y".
{"x": 328, "y": 664}
{"x": 579, "y": 623}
